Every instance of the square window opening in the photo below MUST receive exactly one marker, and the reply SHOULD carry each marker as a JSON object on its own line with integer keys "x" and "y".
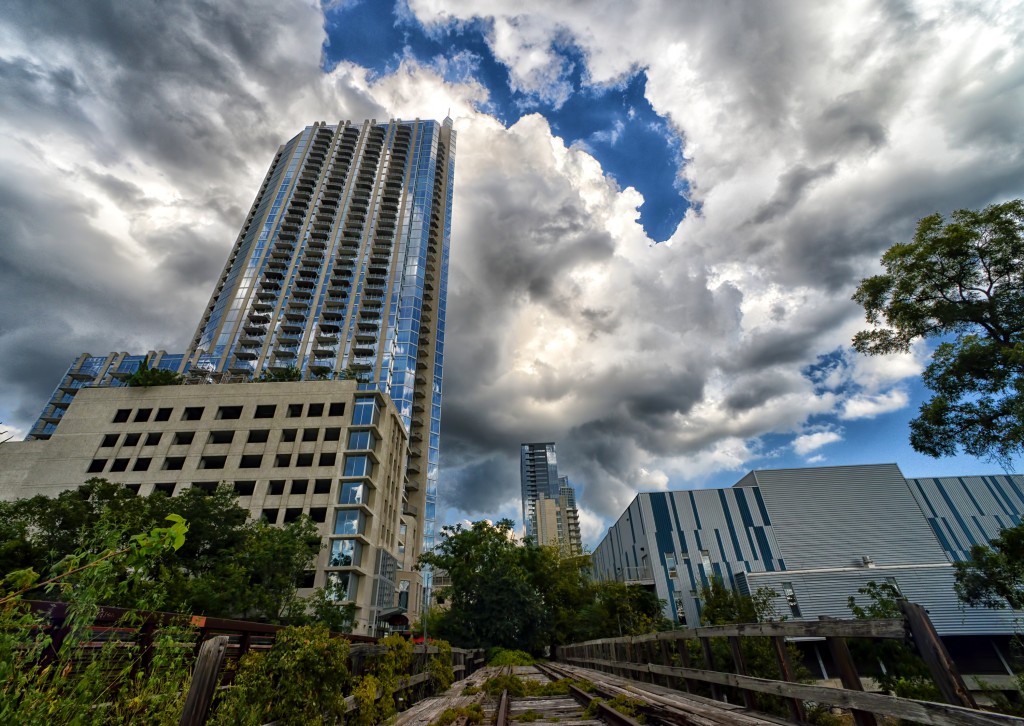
{"x": 228, "y": 413}
{"x": 192, "y": 413}
{"x": 108, "y": 440}
{"x": 143, "y": 414}
{"x": 183, "y": 437}
{"x": 163, "y": 414}
{"x": 131, "y": 439}
{"x": 275, "y": 487}
{"x": 258, "y": 436}
{"x": 122, "y": 414}
{"x": 265, "y": 411}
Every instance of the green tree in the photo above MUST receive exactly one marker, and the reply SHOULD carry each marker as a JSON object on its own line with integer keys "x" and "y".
{"x": 491, "y": 599}
{"x": 145, "y": 377}
{"x": 721, "y": 605}
{"x": 228, "y": 567}
{"x": 993, "y": 577}
{"x": 962, "y": 283}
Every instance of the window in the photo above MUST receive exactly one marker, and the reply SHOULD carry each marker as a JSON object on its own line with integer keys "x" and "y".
{"x": 790, "y": 595}
{"x": 288, "y": 434}
{"x": 283, "y": 460}
{"x": 162, "y": 414}
{"x": 336, "y": 409}
{"x": 142, "y": 464}
{"x": 328, "y": 458}
{"x": 221, "y": 437}
{"x": 119, "y": 465}
{"x": 705, "y": 559}
{"x": 670, "y": 564}
{"x": 318, "y": 514}
{"x": 174, "y": 463}
{"x": 332, "y": 434}
{"x": 143, "y": 414}
{"x": 304, "y": 460}
{"x": 251, "y": 461}
{"x": 131, "y": 439}
{"x": 363, "y": 439}
{"x": 258, "y": 436}
{"x": 276, "y": 486}
{"x": 344, "y": 553}
{"x": 358, "y": 465}
{"x": 244, "y": 488}
{"x": 348, "y": 521}
{"x": 315, "y": 409}
{"x": 133, "y": 488}
{"x": 183, "y": 437}
{"x": 265, "y": 411}
{"x": 294, "y": 410}
{"x": 165, "y": 488}
{"x": 308, "y": 579}
{"x": 291, "y": 514}
{"x": 96, "y": 466}
{"x": 322, "y": 486}
{"x": 352, "y": 493}
{"x": 212, "y": 462}
{"x": 192, "y": 413}
{"x": 122, "y": 415}
{"x": 310, "y": 434}
{"x": 896, "y": 591}
{"x": 340, "y": 586}
{"x": 152, "y": 439}
{"x": 207, "y": 487}
{"x": 365, "y": 412}
{"x": 299, "y": 486}
{"x": 108, "y": 440}
{"x": 226, "y": 413}
{"x": 270, "y": 515}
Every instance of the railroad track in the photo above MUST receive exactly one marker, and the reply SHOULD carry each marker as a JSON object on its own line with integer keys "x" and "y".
{"x": 657, "y": 704}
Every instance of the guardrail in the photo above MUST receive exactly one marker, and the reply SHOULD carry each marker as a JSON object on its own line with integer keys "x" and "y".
{"x": 666, "y": 657}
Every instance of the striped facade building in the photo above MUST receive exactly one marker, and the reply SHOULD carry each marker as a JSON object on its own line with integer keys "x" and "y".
{"x": 815, "y": 536}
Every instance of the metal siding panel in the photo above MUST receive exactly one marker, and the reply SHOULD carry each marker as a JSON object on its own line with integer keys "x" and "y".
{"x": 832, "y": 517}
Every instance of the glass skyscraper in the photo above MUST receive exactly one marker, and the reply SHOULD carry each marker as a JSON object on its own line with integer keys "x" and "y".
{"x": 340, "y": 270}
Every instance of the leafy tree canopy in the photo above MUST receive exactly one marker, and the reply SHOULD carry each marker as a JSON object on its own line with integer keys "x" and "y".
{"x": 994, "y": 575}
{"x": 279, "y": 375}
{"x": 960, "y": 282}
{"x": 227, "y": 567}
{"x": 513, "y": 595}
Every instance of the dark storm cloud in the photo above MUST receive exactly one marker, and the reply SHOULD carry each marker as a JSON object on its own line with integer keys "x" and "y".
{"x": 791, "y": 188}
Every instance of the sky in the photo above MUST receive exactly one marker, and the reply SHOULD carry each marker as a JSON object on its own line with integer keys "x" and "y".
{"x": 661, "y": 209}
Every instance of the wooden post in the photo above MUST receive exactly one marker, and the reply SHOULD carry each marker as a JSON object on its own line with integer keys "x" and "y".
{"x": 683, "y": 646}
{"x": 848, "y": 673}
{"x": 666, "y": 660}
{"x": 936, "y": 657}
{"x": 740, "y": 663}
{"x": 796, "y": 706}
{"x": 205, "y": 677}
{"x": 709, "y": 664}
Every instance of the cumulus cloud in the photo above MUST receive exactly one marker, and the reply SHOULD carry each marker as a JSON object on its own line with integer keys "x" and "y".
{"x": 806, "y": 443}
{"x": 813, "y": 139}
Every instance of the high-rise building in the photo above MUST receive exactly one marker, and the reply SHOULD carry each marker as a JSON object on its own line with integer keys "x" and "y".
{"x": 538, "y": 476}
{"x": 550, "y": 516}
{"x": 338, "y": 273}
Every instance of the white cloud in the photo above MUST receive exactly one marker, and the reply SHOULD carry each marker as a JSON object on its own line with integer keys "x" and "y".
{"x": 872, "y": 406}
{"x": 807, "y": 443}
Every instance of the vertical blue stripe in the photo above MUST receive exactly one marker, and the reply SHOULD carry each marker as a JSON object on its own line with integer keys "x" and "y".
{"x": 967, "y": 491}
{"x": 954, "y": 510}
{"x": 765, "y": 519}
{"x": 732, "y": 529}
{"x": 696, "y": 514}
{"x": 766, "y": 550}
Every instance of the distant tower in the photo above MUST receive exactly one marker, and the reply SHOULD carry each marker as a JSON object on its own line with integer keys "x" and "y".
{"x": 550, "y": 516}
{"x": 538, "y": 473}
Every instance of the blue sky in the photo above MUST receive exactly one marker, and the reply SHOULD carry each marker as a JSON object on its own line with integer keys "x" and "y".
{"x": 661, "y": 209}
{"x": 613, "y": 122}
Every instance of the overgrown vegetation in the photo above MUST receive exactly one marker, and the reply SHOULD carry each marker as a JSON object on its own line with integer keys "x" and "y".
{"x": 505, "y": 657}
{"x": 520, "y": 687}
{"x": 91, "y": 676}
{"x": 905, "y": 673}
{"x": 474, "y": 713}
{"x": 631, "y": 707}
{"x": 303, "y": 679}
{"x": 514, "y": 595}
